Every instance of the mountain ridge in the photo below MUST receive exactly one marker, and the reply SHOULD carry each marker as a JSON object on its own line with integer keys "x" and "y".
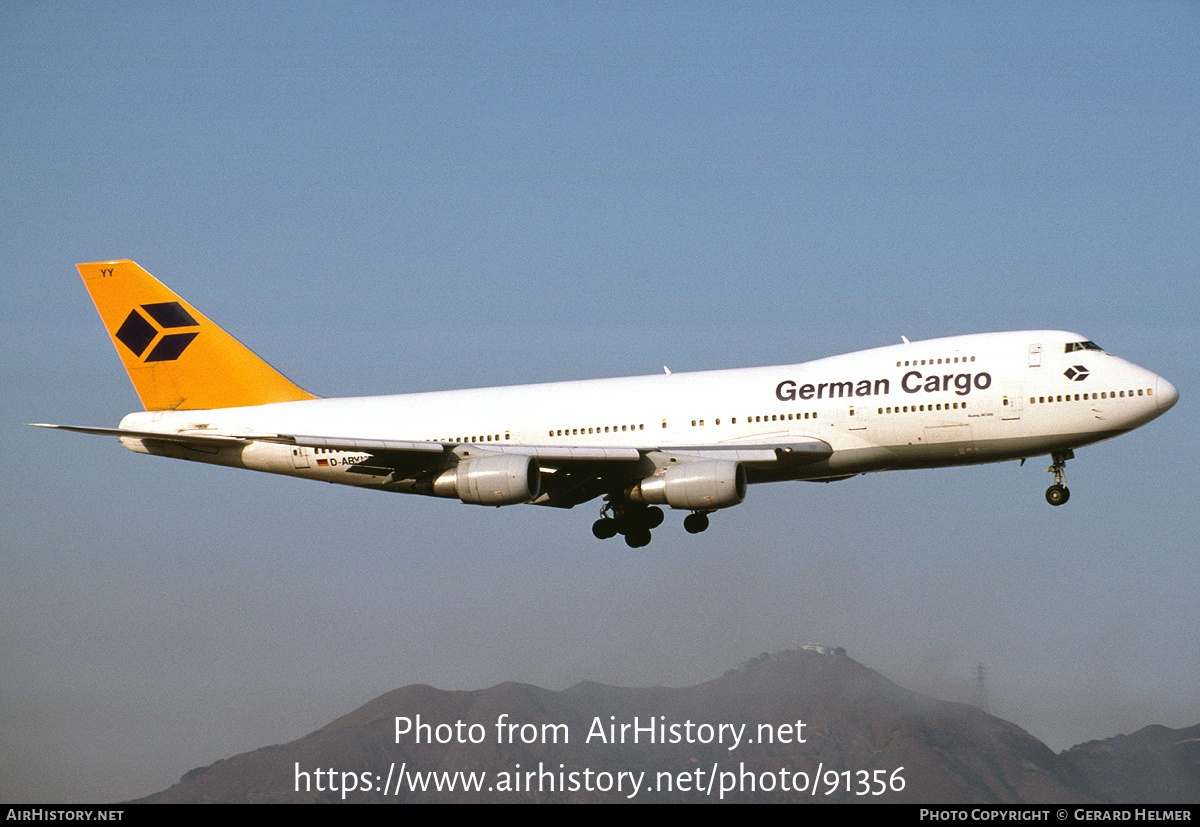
{"x": 800, "y": 725}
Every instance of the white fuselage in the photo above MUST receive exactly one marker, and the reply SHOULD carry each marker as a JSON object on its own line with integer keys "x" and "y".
{"x": 966, "y": 399}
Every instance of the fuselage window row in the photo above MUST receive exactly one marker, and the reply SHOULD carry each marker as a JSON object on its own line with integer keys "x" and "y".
{"x": 782, "y": 417}
{"x": 908, "y": 363}
{"x": 597, "y": 429}
{"x": 942, "y": 406}
{"x": 1083, "y": 397}
{"x": 464, "y": 440}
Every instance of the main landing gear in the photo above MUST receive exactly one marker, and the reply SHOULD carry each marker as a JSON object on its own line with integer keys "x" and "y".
{"x": 635, "y": 521}
{"x": 1058, "y": 493}
{"x": 695, "y": 522}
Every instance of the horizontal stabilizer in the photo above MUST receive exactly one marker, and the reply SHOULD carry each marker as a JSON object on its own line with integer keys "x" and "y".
{"x": 193, "y": 438}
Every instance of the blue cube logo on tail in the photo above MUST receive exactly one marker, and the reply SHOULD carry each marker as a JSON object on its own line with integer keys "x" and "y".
{"x": 137, "y": 332}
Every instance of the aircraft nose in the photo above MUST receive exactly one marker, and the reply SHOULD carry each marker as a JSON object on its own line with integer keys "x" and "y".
{"x": 1166, "y": 393}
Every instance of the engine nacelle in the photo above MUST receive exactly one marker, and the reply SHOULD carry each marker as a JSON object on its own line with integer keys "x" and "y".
{"x": 697, "y": 486}
{"x": 500, "y": 479}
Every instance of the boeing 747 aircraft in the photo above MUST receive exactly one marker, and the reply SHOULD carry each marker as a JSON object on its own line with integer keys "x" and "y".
{"x": 690, "y": 441}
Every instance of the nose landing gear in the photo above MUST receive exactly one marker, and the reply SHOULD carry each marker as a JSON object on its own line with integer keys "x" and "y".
{"x": 1058, "y": 493}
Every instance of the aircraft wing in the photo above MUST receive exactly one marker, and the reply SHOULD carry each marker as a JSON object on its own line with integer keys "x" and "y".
{"x": 544, "y": 453}
{"x": 793, "y": 451}
{"x": 572, "y": 474}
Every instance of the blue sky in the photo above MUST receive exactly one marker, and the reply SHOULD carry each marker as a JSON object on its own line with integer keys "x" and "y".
{"x": 379, "y": 198}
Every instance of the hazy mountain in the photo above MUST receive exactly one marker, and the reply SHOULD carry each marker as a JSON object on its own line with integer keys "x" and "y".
{"x": 742, "y": 731}
{"x": 1155, "y": 765}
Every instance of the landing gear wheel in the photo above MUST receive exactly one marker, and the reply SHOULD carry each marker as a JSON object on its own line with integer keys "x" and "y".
{"x": 638, "y": 538}
{"x": 1057, "y": 494}
{"x": 695, "y": 522}
{"x": 621, "y": 522}
{"x": 633, "y": 520}
{"x": 604, "y": 528}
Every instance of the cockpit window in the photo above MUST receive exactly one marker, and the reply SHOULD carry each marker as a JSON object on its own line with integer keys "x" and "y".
{"x": 1074, "y": 346}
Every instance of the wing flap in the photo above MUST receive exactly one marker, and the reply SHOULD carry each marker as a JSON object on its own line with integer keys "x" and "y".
{"x": 559, "y": 454}
{"x": 369, "y": 446}
{"x": 783, "y": 454}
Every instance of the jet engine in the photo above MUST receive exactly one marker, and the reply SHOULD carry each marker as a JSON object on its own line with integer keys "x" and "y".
{"x": 698, "y": 486}
{"x": 500, "y": 479}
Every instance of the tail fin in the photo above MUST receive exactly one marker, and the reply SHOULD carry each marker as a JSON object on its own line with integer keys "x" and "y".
{"x": 176, "y": 358}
